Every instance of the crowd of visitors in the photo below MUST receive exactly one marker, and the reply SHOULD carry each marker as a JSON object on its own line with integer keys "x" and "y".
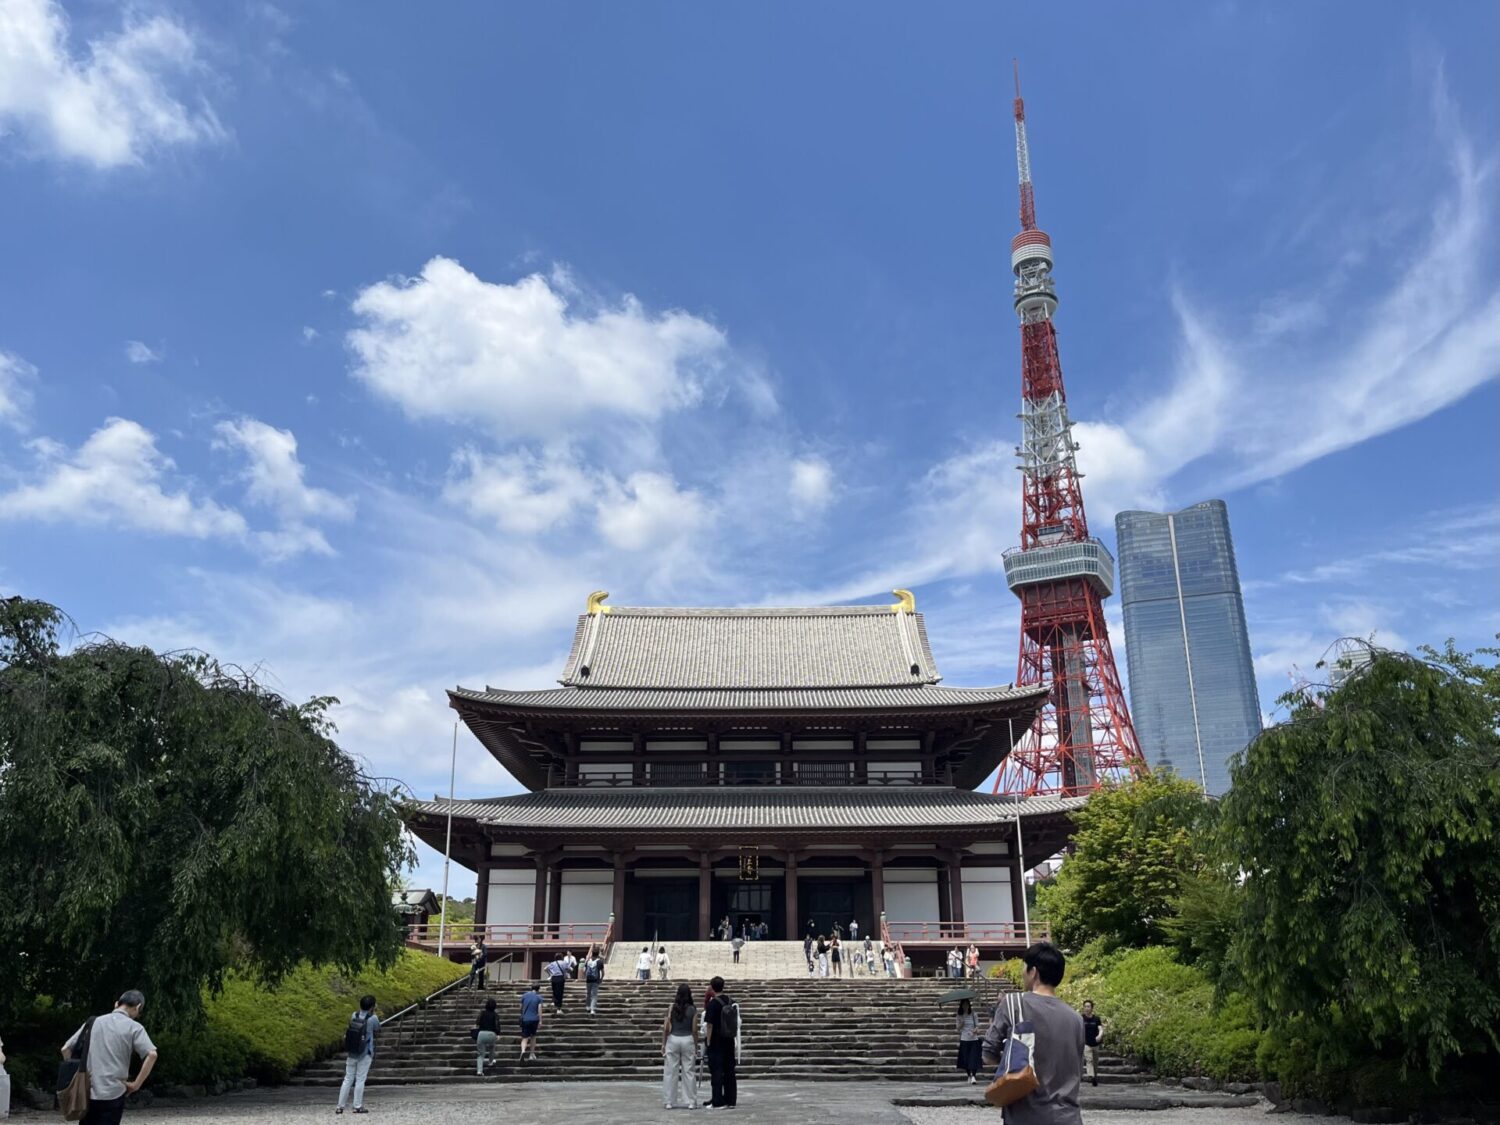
{"x": 963, "y": 962}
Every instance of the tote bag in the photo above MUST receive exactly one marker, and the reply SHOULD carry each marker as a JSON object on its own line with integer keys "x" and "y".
{"x": 73, "y": 1078}
{"x": 1016, "y": 1075}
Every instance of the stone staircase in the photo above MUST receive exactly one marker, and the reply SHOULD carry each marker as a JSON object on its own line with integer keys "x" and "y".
{"x": 793, "y": 1030}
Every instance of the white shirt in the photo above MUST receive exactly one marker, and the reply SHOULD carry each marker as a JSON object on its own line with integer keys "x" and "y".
{"x": 112, "y": 1040}
{"x": 643, "y": 963}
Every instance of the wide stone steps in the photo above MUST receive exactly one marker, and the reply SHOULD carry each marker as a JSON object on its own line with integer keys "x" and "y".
{"x": 794, "y": 1030}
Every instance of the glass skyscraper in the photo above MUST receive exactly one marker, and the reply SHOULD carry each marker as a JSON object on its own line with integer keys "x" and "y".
{"x": 1192, "y": 685}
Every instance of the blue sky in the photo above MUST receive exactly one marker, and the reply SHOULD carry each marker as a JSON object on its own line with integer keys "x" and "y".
{"x": 359, "y": 344}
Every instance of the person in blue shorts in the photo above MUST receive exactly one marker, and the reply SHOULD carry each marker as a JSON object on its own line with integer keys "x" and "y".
{"x": 531, "y": 1021}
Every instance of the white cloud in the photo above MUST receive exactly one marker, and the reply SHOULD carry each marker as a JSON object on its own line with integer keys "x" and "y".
{"x": 274, "y": 479}
{"x": 118, "y": 478}
{"x": 116, "y": 101}
{"x": 647, "y": 509}
{"x": 521, "y": 492}
{"x": 309, "y": 334}
{"x": 16, "y": 377}
{"x": 518, "y": 359}
{"x": 137, "y": 352}
{"x": 811, "y": 485}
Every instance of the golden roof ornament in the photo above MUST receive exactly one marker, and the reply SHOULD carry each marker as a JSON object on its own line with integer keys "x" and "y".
{"x": 907, "y": 604}
{"x": 596, "y": 602}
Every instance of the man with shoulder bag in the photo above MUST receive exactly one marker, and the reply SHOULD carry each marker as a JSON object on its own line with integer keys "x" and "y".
{"x": 94, "y": 1080}
{"x": 1035, "y": 1045}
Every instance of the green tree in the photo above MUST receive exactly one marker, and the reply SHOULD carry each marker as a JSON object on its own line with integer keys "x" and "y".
{"x": 163, "y": 817}
{"x": 1367, "y": 829}
{"x": 1133, "y": 844}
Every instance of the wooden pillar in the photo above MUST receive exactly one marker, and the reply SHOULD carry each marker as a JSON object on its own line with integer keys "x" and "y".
{"x": 618, "y": 903}
{"x": 793, "y": 929}
{"x": 482, "y": 891}
{"x": 705, "y": 894}
{"x": 554, "y": 900}
{"x": 877, "y": 887}
{"x": 1017, "y": 889}
{"x": 945, "y": 912}
{"x": 956, "y": 887}
{"x": 539, "y": 904}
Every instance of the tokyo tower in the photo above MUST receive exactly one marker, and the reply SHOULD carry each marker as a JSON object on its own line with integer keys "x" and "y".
{"x": 1083, "y": 736}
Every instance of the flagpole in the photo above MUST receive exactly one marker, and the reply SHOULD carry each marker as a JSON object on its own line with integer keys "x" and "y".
{"x": 448, "y": 842}
{"x": 1021, "y": 871}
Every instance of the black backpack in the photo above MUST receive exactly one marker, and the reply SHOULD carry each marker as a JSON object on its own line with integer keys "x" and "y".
{"x": 357, "y": 1035}
{"x": 729, "y": 1019}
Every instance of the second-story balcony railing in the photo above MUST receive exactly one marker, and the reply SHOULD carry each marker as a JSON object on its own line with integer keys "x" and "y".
{"x": 624, "y": 778}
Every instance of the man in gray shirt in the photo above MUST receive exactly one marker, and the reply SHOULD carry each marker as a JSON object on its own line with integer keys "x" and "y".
{"x": 112, "y": 1040}
{"x": 1058, "y": 1055}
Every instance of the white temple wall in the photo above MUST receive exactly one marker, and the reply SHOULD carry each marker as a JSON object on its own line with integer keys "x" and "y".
{"x": 911, "y": 895}
{"x": 987, "y": 895}
{"x": 512, "y": 896}
{"x": 587, "y": 896}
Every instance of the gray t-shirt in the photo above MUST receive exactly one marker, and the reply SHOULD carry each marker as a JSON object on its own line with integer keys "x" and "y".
{"x": 1058, "y": 1061}
{"x": 114, "y": 1039}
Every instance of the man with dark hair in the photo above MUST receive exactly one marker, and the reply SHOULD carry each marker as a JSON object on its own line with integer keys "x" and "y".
{"x": 112, "y": 1039}
{"x": 359, "y": 1049}
{"x": 1093, "y": 1031}
{"x": 1057, "y": 1058}
{"x": 723, "y": 1024}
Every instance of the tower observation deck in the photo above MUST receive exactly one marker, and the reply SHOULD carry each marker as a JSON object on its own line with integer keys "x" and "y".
{"x": 1083, "y": 735}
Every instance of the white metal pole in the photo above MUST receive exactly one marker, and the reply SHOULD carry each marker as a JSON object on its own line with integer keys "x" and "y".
{"x": 448, "y": 842}
{"x": 1021, "y": 864}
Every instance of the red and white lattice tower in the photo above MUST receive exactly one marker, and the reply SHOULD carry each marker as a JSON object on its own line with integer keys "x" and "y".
{"x": 1083, "y": 736}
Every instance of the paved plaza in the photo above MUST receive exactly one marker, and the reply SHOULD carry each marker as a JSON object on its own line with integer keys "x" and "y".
{"x": 636, "y": 1103}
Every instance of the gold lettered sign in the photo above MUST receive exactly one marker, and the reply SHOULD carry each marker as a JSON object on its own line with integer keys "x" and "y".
{"x": 749, "y": 864}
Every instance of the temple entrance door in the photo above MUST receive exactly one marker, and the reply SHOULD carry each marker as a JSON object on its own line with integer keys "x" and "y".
{"x": 826, "y": 901}
{"x": 755, "y": 902}
{"x": 669, "y": 909}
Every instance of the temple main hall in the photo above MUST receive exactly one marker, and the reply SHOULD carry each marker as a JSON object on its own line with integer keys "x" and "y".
{"x": 785, "y": 768}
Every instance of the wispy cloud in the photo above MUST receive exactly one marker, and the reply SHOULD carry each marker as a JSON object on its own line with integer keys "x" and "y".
{"x": 113, "y": 103}
{"x": 16, "y": 379}
{"x": 137, "y": 352}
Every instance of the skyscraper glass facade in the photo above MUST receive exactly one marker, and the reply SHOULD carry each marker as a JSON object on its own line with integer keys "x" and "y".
{"x": 1192, "y": 685}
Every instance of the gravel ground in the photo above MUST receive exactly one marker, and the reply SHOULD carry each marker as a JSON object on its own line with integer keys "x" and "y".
{"x": 633, "y": 1103}
{"x": 1245, "y": 1116}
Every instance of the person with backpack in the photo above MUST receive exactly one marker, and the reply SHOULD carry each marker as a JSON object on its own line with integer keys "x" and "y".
{"x": 531, "y": 1021}
{"x": 593, "y": 976}
{"x": 359, "y": 1049}
{"x": 486, "y": 1035}
{"x": 1055, "y": 1047}
{"x": 104, "y": 1045}
{"x": 477, "y": 959}
{"x": 679, "y": 1048}
{"x": 663, "y": 962}
{"x": 723, "y": 1026}
{"x": 557, "y": 972}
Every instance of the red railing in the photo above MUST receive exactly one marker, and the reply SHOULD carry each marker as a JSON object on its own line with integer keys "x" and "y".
{"x": 967, "y": 933}
{"x": 892, "y": 944}
{"x": 577, "y": 936}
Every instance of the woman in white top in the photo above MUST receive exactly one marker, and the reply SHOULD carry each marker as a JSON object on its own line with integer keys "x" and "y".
{"x": 643, "y": 964}
{"x": 663, "y": 962}
{"x": 969, "y": 1046}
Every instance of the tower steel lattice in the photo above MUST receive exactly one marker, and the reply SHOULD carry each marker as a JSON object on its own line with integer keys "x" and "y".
{"x": 1083, "y": 736}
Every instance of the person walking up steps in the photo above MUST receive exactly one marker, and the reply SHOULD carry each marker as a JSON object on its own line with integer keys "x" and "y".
{"x": 557, "y": 972}
{"x": 723, "y": 1024}
{"x": 531, "y": 1021}
{"x": 1093, "y": 1031}
{"x": 663, "y": 962}
{"x": 487, "y": 1034}
{"x": 593, "y": 976}
{"x": 111, "y": 1040}
{"x": 643, "y": 964}
{"x": 1057, "y": 1056}
{"x": 679, "y": 1049}
{"x": 969, "y": 1050}
{"x": 359, "y": 1047}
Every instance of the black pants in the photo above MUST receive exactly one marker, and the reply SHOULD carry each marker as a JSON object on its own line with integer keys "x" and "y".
{"x": 722, "y": 1082}
{"x": 558, "y": 982}
{"x": 476, "y": 977}
{"x": 104, "y": 1112}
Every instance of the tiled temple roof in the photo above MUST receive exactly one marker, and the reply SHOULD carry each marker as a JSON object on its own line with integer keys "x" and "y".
{"x": 862, "y": 646}
{"x": 768, "y": 809}
{"x": 915, "y": 696}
